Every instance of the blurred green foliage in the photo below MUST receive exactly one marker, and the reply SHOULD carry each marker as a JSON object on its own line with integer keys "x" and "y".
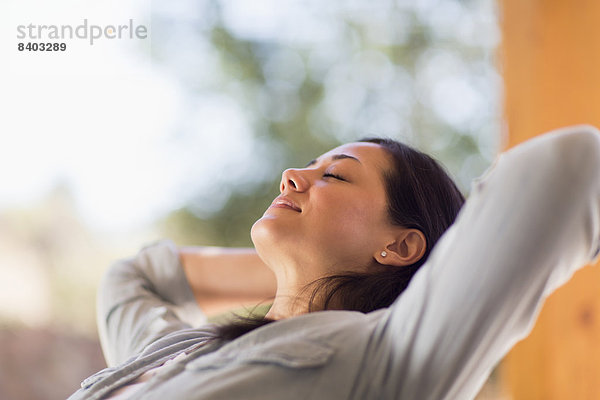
{"x": 375, "y": 69}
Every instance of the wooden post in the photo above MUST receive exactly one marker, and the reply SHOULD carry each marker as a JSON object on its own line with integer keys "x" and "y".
{"x": 550, "y": 59}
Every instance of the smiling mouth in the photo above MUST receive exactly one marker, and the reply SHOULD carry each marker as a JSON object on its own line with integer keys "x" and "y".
{"x": 282, "y": 202}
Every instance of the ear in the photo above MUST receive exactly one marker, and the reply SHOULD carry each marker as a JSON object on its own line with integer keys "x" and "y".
{"x": 408, "y": 247}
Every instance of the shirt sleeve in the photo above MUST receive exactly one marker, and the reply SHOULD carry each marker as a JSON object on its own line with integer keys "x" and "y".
{"x": 530, "y": 222}
{"x": 142, "y": 299}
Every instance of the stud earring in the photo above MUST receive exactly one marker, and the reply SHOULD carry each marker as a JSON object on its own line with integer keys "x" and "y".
{"x": 383, "y": 253}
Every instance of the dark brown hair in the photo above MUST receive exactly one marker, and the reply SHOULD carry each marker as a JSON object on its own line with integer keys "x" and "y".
{"x": 420, "y": 195}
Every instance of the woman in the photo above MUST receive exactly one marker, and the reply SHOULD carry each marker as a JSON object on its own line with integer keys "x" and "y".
{"x": 347, "y": 233}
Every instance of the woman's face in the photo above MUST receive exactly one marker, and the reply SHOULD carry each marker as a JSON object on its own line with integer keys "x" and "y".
{"x": 330, "y": 215}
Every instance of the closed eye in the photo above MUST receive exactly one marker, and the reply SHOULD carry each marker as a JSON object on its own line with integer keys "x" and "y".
{"x": 330, "y": 175}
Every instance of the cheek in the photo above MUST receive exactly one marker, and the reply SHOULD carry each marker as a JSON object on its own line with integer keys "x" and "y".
{"x": 353, "y": 224}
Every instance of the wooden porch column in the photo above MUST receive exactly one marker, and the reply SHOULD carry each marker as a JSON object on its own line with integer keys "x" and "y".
{"x": 550, "y": 60}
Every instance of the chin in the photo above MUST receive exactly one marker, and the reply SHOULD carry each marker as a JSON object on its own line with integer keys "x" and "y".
{"x": 269, "y": 233}
{"x": 262, "y": 231}
{"x": 264, "y": 239}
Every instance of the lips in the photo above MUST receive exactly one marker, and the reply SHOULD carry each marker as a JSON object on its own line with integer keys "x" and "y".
{"x": 285, "y": 202}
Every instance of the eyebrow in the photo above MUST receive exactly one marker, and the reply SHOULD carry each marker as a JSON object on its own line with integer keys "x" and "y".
{"x": 335, "y": 157}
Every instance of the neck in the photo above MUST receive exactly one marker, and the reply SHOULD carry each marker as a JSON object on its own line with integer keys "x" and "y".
{"x": 289, "y": 301}
{"x": 291, "y": 298}
{"x": 294, "y": 275}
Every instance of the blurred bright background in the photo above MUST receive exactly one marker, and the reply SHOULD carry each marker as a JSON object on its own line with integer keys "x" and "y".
{"x": 184, "y": 135}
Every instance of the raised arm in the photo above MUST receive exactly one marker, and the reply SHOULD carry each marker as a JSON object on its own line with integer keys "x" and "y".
{"x": 226, "y": 278}
{"x": 146, "y": 297}
{"x": 528, "y": 224}
{"x": 142, "y": 299}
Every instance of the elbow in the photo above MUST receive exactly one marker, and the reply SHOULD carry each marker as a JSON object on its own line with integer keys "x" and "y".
{"x": 578, "y": 148}
{"x": 579, "y": 160}
{"x": 580, "y": 156}
{"x": 117, "y": 285}
{"x": 566, "y": 159}
{"x": 570, "y": 158}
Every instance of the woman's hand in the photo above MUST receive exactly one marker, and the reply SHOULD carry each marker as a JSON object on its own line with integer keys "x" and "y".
{"x": 226, "y": 278}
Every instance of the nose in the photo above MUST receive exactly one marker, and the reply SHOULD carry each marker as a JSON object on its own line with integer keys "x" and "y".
{"x": 292, "y": 179}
